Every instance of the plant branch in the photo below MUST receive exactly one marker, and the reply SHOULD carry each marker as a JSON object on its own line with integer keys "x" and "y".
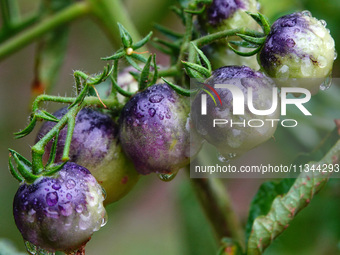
{"x": 108, "y": 13}
{"x": 19, "y": 41}
{"x": 217, "y": 205}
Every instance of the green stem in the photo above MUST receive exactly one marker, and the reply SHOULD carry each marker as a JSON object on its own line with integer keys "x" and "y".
{"x": 108, "y": 13}
{"x": 217, "y": 205}
{"x": 202, "y": 41}
{"x": 38, "y": 149}
{"x": 172, "y": 71}
{"x": 10, "y": 13}
{"x": 19, "y": 41}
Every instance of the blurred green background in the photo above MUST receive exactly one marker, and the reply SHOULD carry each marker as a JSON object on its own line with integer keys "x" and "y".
{"x": 165, "y": 218}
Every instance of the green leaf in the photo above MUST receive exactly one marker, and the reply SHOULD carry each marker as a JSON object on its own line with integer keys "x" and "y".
{"x": 203, "y": 57}
{"x": 244, "y": 54}
{"x": 121, "y": 91}
{"x": 172, "y": 35}
{"x": 200, "y": 11}
{"x": 142, "y": 42}
{"x": 144, "y": 76}
{"x": 24, "y": 166}
{"x": 173, "y": 46}
{"x": 265, "y": 23}
{"x": 244, "y": 44}
{"x": 12, "y": 169}
{"x": 133, "y": 63}
{"x": 53, "y": 151}
{"x": 285, "y": 207}
{"x": 253, "y": 40}
{"x": 27, "y": 130}
{"x": 162, "y": 49}
{"x": 155, "y": 73}
{"x": 44, "y": 115}
{"x": 180, "y": 90}
{"x": 54, "y": 168}
{"x": 264, "y": 198}
{"x": 118, "y": 55}
{"x": 261, "y": 20}
{"x": 198, "y": 68}
{"x": 125, "y": 36}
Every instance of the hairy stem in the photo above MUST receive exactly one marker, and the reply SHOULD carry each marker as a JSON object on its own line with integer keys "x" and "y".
{"x": 217, "y": 205}
{"x": 19, "y": 41}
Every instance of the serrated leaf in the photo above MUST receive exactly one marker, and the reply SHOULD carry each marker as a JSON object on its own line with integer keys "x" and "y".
{"x": 263, "y": 200}
{"x": 284, "y": 208}
{"x": 125, "y": 36}
{"x": 142, "y": 42}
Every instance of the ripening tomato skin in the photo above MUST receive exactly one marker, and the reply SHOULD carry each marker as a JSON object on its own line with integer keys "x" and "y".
{"x": 60, "y": 212}
{"x": 95, "y": 146}
{"x": 155, "y": 132}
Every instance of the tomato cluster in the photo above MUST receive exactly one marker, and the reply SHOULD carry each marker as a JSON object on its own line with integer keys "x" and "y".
{"x": 157, "y": 131}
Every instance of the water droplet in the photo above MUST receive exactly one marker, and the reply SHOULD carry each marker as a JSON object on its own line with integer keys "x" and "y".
{"x": 104, "y": 220}
{"x": 79, "y": 208}
{"x": 156, "y": 98}
{"x": 335, "y": 55}
{"x": 222, "y": 158}
{"x": 327, "y": 83}
{"x": 51, "y": 213}
{"x": 56, "y": 186}
{"x": 66, "y": 209}
{"x": 290, "y": 42}
{"x": 167, "y": 177}
{"x": 307, "y": 13}
{"x": 31, "y": 215}
{"x": 70, "y": 184}
{"x": 51, "y": 198}
{"x": 152, "y": 112}
{"x": 161, "y": 116}
{"x": 31, "y": 248}
{"x": 68, "y": 196}
{"x": 323, "y": 22}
